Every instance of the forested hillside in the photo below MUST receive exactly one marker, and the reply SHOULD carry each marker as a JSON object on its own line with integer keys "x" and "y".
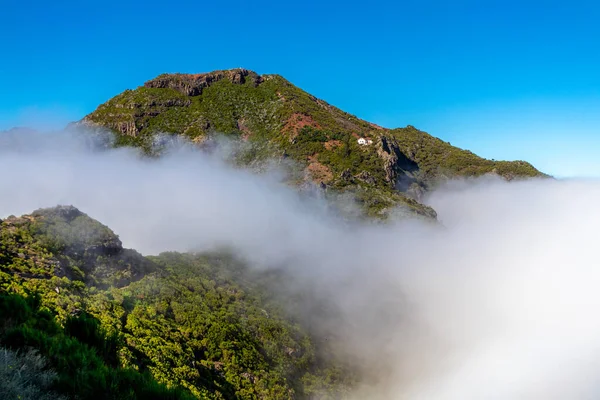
{"x": 86, "y": 318}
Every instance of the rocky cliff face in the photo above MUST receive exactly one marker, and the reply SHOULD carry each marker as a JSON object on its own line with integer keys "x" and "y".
{"x": 193, "y": 84}
{"x": 395, "y": 162}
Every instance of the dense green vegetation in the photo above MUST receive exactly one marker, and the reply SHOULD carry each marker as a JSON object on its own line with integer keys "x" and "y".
{"x": 79, "y": 360}
{"x": 219, "y": 334}
{"x": 277, "y": 120}
{"x": 182, "y": 326}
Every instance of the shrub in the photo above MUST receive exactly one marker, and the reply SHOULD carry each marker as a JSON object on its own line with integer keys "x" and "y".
{"x": 25, "y": 376}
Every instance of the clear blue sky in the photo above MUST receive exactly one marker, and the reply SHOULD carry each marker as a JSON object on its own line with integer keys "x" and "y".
{"x": 505, "y": 79}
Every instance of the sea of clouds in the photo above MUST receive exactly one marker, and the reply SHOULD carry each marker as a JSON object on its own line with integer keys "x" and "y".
{"x": 499, "y": 300}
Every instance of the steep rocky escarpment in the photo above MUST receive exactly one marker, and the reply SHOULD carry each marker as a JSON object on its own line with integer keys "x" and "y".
{"x": 193, "y": 84}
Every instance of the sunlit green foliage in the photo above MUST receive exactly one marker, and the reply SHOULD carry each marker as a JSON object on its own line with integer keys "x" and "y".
{"x": 82, "y": 356}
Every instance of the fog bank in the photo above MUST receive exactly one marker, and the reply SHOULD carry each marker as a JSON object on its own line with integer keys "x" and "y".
{"x": 499, "y": 301}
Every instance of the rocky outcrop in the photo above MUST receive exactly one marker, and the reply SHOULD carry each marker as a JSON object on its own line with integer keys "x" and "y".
{"x": 125, "y": 127}
{"x": 153, "y": 103}
{"x": 395, "y": 162}
{"x": 193, "y": 84}
{"x": 123, "y": 124}
{"x": 367, "y": 178}
{"x": 346, "y": 176}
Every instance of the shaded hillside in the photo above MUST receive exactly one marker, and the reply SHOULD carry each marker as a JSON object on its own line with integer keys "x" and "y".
{"x": 203, "y": 322}
{"x": 63, "y": 242}
{"x": 281, "y": 121}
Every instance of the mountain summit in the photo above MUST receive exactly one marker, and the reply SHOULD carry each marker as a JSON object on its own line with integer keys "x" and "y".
{"x": 383, "y": 168}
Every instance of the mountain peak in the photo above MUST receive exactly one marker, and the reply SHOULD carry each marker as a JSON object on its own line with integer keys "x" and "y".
{"x": 383, "y": 168}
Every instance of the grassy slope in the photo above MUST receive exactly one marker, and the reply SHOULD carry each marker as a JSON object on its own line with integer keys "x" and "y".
{"x": 279, "y": 120}
{"x": 202, "y": 322}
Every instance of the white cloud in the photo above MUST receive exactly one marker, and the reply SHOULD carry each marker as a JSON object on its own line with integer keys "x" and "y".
{"x": 498, "y": 303}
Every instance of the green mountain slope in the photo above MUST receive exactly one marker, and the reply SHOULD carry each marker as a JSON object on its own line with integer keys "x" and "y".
{"x": 278, "y": 120}
{"x": 107, "y": 319}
